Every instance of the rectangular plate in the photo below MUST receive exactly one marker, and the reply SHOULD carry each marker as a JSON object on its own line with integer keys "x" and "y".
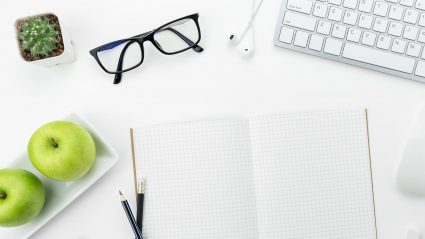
{"x": 61, "y": 194}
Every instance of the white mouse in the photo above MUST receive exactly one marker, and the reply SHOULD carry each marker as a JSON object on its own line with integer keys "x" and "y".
{"x": 411, "y": 171}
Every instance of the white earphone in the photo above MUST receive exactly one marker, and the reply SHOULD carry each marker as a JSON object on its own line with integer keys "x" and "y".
{"x": 247, "y": 48}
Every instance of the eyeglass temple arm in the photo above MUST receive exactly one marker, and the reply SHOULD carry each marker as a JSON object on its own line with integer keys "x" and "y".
{"x": 118, "y": 76}
{"x": 143, "y": 34}
{"x": 189, "y": 42}
{"x": 117, "y": 43}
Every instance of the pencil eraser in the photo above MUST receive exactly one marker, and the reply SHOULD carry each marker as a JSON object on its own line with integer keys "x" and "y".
{"x": 413, "y": 235}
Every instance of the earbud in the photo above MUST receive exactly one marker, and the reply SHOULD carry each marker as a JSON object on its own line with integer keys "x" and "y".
{"x": 246, "y": 46}
{"x": 234, "y": 40}
{"x": 246, "y": 52}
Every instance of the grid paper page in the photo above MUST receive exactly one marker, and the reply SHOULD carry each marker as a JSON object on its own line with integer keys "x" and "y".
{"x": 313, "y": 176}
{"x": 199, "y": 181}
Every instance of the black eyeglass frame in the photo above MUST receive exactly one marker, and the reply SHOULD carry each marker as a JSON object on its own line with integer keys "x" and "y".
{"x": 148, "y": 36}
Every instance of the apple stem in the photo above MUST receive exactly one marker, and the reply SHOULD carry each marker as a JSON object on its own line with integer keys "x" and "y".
{"x": 54, "y": 143}
{"x": 3, "y": 195}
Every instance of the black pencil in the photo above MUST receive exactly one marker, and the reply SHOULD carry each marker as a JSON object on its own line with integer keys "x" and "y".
{"x": 130, "y": 217}
{"x": 140, "y": 203}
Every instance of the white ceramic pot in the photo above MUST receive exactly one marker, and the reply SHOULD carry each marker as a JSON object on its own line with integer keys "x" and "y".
{"x": 68, "y": 55}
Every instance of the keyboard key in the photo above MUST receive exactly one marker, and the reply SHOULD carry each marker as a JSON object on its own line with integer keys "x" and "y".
{"x": 335, "y": 2}
{"x": 350, "y": 18}
{"x": 335, "y": 14}
{"x": 421, "y": 36}
{"x": 381, "y": 9}
{"x": 303, "y": 6}
{"x": 301, "y": 39}
{"x": 339, "y": 31}
{"x": 366, "y": 5}
{"x": 350, "y": 4}
{"x": 393, "y": 1}
{"x": 396, "y": 12}
{"x": 420, "y": 69}
{"x": 369, "y": 39}
{"x": 413, "y": 49}
{"x": 378, "y": 58}
{"x": 324, "y": 27}
{"x": 422, "y": 20}
{"x": 410, "y": 33}
{"x": 316, "y": 43}
{"x": 320, "y": 10}
{"x": 407, "y": 3}
{"x": 384, "y": 42}
{"x": 399, "y": 46}
{"x": 395, "y": 29}
{"x": 380, "y": 25}
{"x": 365, "y": 21}
{"x": 299, "y": 21}
{"x": 286, "y": 35}
{"x": 333, "y": 47}
{"x": 354, "y": 35}
{"x": 420, "y": 4}
{"x": 411, "y": 16}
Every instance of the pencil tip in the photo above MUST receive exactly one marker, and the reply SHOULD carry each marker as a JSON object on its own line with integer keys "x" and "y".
{"x": 141, "y": 186}
{"x": 121, "y": 195}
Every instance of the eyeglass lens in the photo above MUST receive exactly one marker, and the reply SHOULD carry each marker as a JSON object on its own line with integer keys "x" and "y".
{"x": 130, "y": 51}
{"x": 177, "y": 36}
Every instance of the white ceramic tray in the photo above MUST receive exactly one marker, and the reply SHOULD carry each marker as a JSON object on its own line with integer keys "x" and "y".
{"x": 59, "y": 194}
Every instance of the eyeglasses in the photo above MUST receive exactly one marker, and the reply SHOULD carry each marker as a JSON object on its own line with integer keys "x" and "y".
{"x": 172, "y": 38}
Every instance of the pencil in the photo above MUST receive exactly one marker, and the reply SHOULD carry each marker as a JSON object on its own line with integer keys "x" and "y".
{"x": 140, "y": 203}
{"x": 130, "y": 217}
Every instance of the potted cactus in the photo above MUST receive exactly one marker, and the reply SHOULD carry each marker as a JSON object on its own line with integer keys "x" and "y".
{"x": 43, "y": 40}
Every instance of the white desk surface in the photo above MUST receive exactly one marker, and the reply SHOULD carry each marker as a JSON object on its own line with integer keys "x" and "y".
{"x": 215, "y": 84}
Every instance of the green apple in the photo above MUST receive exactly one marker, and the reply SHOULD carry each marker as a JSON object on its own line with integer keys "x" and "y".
{"x": 22, "y": 197}
{"x": 62, "y": 150}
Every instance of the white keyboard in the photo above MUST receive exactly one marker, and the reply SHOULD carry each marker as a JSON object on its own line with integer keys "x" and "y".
{"x": 382, "y": 35}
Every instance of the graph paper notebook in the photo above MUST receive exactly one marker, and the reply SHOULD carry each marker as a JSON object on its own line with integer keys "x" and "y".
{"x": 295, "y": 176}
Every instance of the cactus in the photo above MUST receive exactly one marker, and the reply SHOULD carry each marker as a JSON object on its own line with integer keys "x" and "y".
{"x": 39, "y": 36}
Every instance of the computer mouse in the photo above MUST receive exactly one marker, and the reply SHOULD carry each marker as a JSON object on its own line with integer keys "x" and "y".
{"x": 411, "y": 171}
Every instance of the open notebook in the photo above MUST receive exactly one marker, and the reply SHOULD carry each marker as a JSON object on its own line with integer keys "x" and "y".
{"x": 290, "y": 176}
